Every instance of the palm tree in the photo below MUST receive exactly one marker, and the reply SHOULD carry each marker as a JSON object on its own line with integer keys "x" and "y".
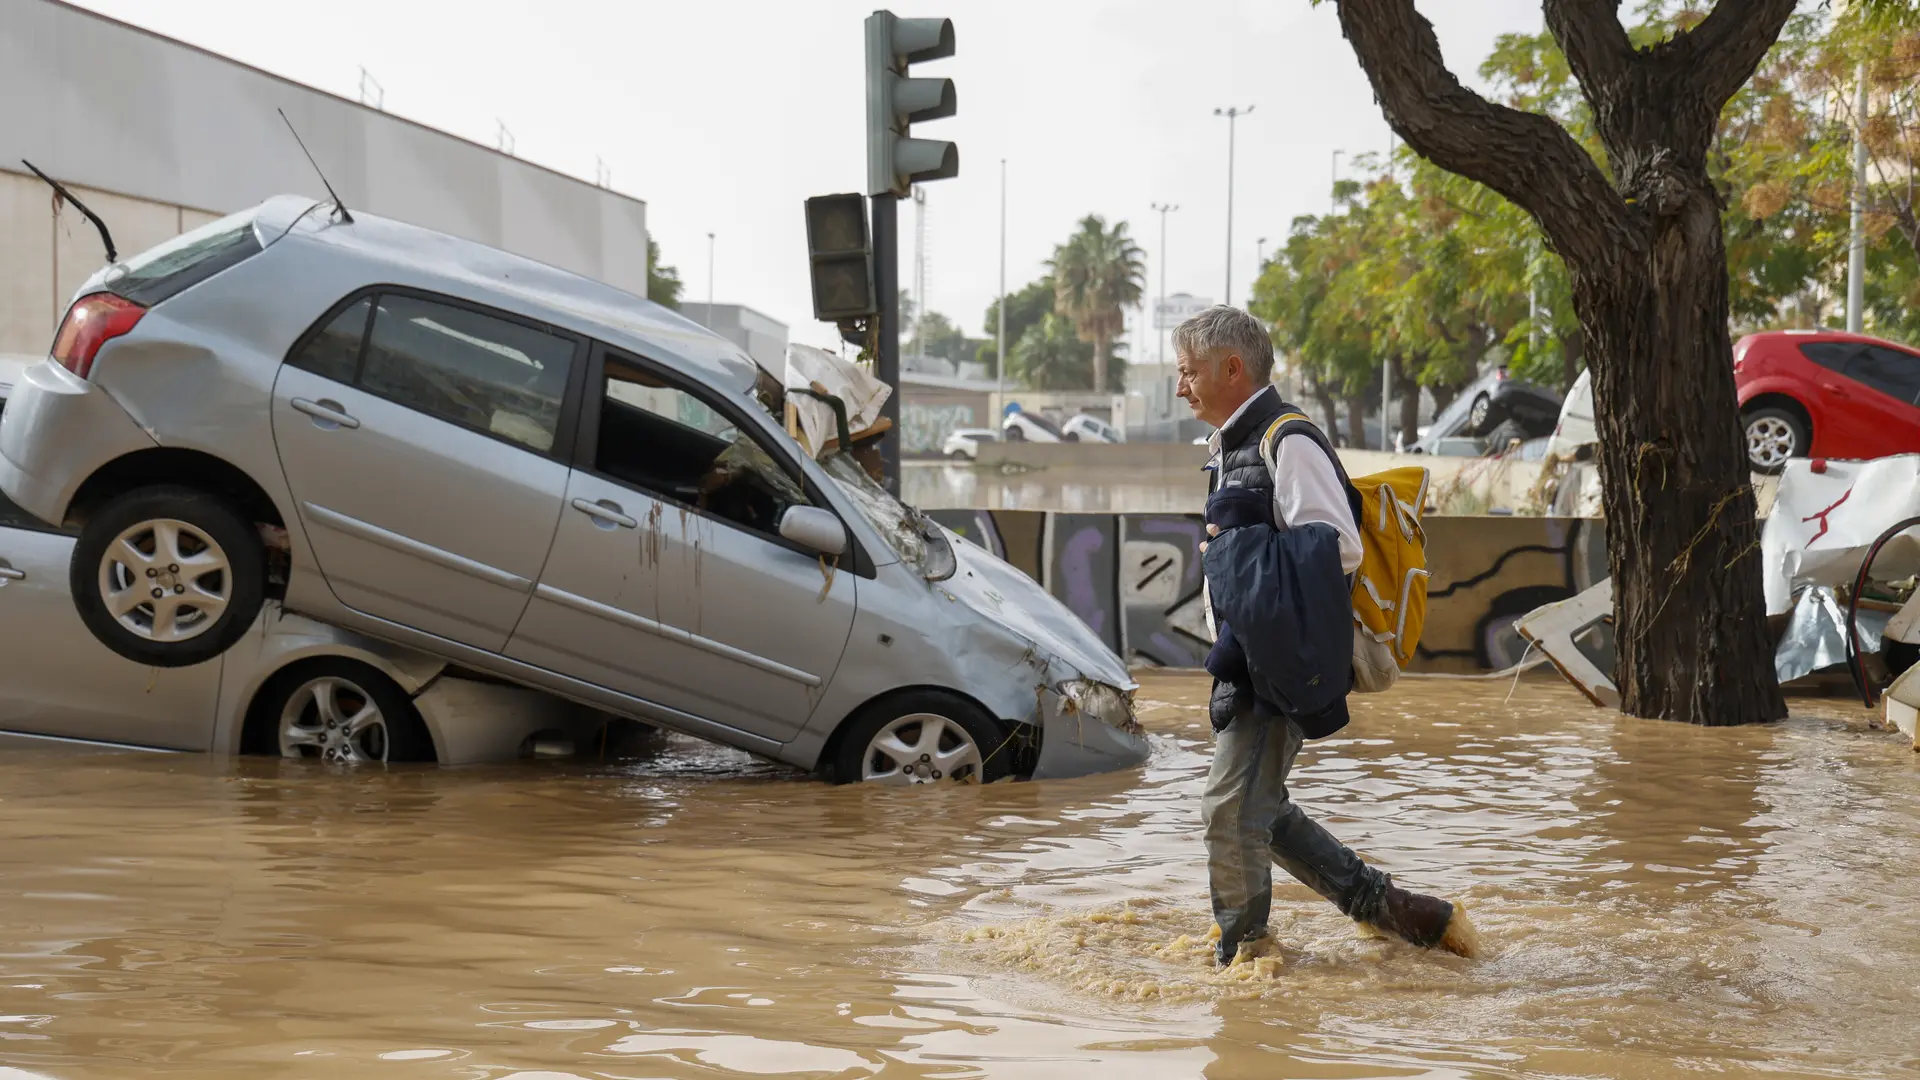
{"x": 1050, "y": 356}
{"x": 1097, "y": 274}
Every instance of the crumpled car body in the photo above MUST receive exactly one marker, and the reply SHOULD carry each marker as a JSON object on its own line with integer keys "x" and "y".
{"x": 527, "y": 475}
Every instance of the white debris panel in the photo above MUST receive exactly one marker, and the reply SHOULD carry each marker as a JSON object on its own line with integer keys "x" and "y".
{"x": 1825, "y": 516}
{"x": 817, "y": 369}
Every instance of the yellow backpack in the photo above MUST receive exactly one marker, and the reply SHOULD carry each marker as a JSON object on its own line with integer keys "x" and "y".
{"x": 1390, "y": 586}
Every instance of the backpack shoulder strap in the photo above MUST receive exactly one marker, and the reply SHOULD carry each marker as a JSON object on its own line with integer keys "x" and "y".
{"x": 1294, "y": 423}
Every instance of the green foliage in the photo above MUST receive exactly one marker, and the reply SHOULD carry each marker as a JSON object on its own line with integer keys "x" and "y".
{"x": 1434, "y": 274}
{"x": 1097, "y": 274}
{"x": 1025, "y": 308}
{"x": 1051, "y": 356}
{"x": 663, "y": 282}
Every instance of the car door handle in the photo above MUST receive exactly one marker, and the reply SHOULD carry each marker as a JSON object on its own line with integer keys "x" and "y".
{"x": 1835, "y": 389}
{"x": 610, "y": 516}
{"x": 326, "y": 412}
{"x": 8, "y": 573}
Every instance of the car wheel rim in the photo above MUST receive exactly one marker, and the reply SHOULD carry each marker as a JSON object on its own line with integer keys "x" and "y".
{"x": 1478, "y": 416}
{"x": 165, "y": 581}
{"x": 921, "y": 748}
{"x": 1770, "y": 442}
{"x": 335, "y": 720}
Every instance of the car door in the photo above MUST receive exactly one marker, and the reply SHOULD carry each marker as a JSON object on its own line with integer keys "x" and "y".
{"x": 1889, "y": 404}
{"x": 58, "y": 680}
{"x": 668, "y": 579}
{"x": 422, "y": 439}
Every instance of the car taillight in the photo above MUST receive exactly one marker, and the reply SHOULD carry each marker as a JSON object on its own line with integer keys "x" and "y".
{"x": 91, "y": 322}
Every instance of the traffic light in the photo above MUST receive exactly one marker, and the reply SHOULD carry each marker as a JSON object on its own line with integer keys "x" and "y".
{"x": 896, "y": 161}
{"x": 841, "y": 257}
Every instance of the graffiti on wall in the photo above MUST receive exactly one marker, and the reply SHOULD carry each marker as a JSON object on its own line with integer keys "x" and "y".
{"x": 1135, "y": 578}
{"x": 923, "y": 428}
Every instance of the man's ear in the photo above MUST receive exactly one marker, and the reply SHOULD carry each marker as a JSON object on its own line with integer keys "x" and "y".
{"x": 1231, "y": 365}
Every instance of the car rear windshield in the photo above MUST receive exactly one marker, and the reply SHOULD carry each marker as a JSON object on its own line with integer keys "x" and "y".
{"x": 160, "y": 273}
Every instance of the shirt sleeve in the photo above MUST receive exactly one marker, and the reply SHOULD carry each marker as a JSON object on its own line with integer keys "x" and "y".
{"x": 1307, "y": 489}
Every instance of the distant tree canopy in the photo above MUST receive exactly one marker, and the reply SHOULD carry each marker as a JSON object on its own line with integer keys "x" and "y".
{"x": 1433, "y": 273}
{"x": 1066, "y": 337}
{"x": 663, "y": 282}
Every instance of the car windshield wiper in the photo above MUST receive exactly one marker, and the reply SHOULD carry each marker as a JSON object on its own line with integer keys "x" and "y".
{"x": 59, "y": 192}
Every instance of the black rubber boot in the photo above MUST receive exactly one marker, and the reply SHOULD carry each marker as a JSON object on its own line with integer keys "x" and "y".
{"x": 1425, "y": 921}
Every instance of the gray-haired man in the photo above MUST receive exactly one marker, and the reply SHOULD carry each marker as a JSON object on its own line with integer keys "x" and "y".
{"x": 1226, "y": 368}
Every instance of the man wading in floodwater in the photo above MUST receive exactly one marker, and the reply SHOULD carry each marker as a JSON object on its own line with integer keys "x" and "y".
{"x": 1226, "y": 362}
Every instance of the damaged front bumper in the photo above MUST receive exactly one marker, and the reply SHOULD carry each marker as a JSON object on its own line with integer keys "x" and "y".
{"x": 1087, "y": 727}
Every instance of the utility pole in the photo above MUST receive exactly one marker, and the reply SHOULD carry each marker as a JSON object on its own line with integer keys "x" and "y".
{"x": 1159, "y": 314}
{"x": 1857, "y": 239}
{"x": 709, "y": 281}
{"x": 1000, "y": 332}
{"x": 1232, "y": 113}
{"x": 919, "y": 276}
{"x": 1333, "y": 197}
{"x": 1259, "y": 257}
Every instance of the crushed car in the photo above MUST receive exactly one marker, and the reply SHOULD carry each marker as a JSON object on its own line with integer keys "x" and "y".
{"x": 531, "y": 476}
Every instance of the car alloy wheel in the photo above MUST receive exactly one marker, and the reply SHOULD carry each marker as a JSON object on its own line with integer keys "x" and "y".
{"x": 921, "y": 748}
{"x": 1477, "y": 415}
{"x": 165, "y": 580}
{"x": 336, "y": 720}
{"x": 1771, "y": 440}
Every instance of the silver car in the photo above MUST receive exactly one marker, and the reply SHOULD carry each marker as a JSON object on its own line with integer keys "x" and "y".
{"x": 290, "y": 686}
{"x": 533, "y": 476}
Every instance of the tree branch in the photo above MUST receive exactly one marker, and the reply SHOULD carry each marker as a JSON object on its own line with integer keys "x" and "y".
{"x": 1524, "y": 156}
{"x": 1721, "y": 54}
{"x": 1595, "y": 44}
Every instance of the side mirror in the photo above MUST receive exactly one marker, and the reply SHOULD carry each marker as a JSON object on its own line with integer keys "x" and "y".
{"x": 812, "y": 527}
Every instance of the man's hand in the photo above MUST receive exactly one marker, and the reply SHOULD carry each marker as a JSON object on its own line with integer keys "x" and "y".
{"x": 1212, "y": 530}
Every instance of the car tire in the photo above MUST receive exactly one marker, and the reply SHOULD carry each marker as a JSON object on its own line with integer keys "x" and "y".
{"x": 121, "y": 546}
{"x": 929, "y": 729}
{"x": 1071, "y": 436}
{"x": 1479, "y": 413}
{"x": 960, "y": 456}
{"x": 1503, "y": 435}
{"x": 1773, "y": 436}
{"x": 1014, "y": 434}
{"x": 341, "y": 711}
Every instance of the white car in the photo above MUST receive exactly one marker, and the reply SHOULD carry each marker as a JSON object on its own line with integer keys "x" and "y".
{"x": 963, "y": 444}
{"x": 1576, "y": 428}
{"x": 1022, "y": 426}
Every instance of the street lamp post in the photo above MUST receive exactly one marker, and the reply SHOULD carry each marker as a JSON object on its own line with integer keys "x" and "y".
{"x": 1333, "y": 198}
{"x": 1259, "y": 257}
{"x": 1232, "y": 113}
{"x": 709, "y": 281}
{"x": 1000, "y": 332}
{"x": 1163, "y": 209}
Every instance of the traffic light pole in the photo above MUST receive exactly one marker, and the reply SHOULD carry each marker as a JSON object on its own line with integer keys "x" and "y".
{"x": 886, "y": 365}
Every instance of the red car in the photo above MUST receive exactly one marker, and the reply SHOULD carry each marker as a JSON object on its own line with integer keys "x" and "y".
{"x": 1823, "y": 393}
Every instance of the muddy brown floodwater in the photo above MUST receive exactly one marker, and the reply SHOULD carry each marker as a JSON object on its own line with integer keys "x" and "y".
{"x": 1658, "y": 901}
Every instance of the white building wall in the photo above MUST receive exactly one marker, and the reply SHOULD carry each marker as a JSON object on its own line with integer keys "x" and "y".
{"x": 179, "y": 136}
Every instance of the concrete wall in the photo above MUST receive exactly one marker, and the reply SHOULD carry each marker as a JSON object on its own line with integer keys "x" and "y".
{"x": 1135, "y": 578}
{"x": 929, "y": 414}
{"x": 762, "y": 336}
{"x": 180, "y": 136}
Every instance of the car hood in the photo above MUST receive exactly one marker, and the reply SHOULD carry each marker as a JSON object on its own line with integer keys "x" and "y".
{"x": 1015, "y": 602}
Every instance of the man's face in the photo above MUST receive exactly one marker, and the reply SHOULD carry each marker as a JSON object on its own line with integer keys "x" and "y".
{"x": 1212, "y": 388}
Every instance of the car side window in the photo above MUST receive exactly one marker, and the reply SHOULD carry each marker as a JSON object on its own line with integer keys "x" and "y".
{"x": 471, "y": 368}
{"x": 1832, "y": 355}
{"x": 1890, "y": 371}
{"x": 333, "y": 351}
{"x": 673, "y": 442}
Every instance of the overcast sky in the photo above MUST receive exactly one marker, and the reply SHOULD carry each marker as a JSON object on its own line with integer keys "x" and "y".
{"x": 725, "y": 114}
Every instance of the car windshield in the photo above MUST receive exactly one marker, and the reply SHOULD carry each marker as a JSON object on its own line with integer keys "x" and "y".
{"x": 183, "y": 262}
{"x": 912, "y": 535}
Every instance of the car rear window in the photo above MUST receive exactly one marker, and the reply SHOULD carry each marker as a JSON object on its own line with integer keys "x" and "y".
{"x": 160, "y": 273}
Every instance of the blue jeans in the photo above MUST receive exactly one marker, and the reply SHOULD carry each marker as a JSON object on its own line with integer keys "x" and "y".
{"x": 1251, "y": 823}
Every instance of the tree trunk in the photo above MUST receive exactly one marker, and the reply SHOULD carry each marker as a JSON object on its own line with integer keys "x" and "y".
{"x": 1409, "y": 397}
{"x": 1647, "y": 260}
{"x": 1329, "y": 410}
{"x": 1683, "y": 542}
{"x": 1357, "y": 420}
{"x": 1100, "y": 361}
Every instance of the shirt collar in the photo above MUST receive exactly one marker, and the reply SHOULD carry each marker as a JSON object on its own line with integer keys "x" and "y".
{"x": 1213, "y": 440}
